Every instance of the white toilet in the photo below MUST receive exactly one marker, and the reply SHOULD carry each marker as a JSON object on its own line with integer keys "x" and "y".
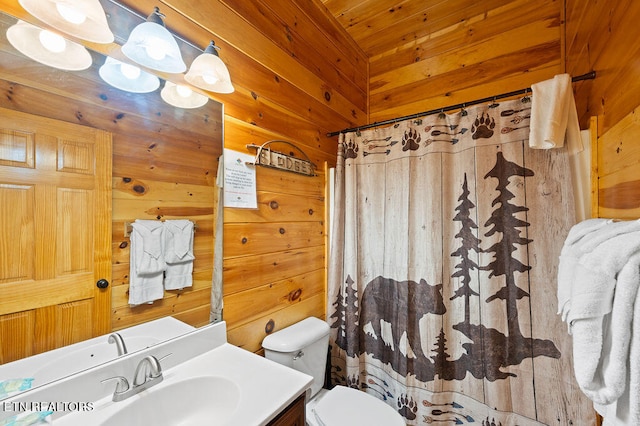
{"x": 303, "y": 346}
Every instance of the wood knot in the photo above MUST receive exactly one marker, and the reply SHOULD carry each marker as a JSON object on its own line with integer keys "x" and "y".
{"x": 274, "y": 204}
{"x": 268, "y": 328}
{"x": 295, "y": 295}
{"x": 282, "y": 231}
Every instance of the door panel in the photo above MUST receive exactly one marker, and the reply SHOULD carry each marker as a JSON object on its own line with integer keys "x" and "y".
{"x": 55, "y": 233}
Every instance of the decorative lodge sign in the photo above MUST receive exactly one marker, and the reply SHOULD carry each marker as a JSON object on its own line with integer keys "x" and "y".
{"x": 278, "y": 160}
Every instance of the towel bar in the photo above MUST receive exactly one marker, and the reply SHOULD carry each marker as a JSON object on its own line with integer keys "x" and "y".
{"x": 128, "y": 228}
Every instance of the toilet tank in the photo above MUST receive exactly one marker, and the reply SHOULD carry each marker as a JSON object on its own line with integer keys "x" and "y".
{"x": 302, "y": 346}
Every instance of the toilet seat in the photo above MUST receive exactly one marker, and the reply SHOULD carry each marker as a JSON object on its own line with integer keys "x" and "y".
{"x": 347, "y": 406}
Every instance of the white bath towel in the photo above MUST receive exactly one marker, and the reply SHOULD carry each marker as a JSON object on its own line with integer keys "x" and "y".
{"x": 569, "y": 256}
{"x": 553, "y": 115}
{"x": 613, "y": 229}
{"x": 626, "y": 410}
{"x": 146, "y": 264}
{"x": 178, "y": 254}
{"x": 586, "y": 280}
{"x": 601, "y": 344}
{"x": 596, "y": 275}
{"x": 621, "y": 370}
{"x": 603, "y": 312}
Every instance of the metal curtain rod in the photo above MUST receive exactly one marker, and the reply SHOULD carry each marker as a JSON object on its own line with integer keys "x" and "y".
{"x": 588, "y": 76}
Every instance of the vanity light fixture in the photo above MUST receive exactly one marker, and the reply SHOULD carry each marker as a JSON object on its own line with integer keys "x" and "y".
{"x": 127, "y": 77}
{"x": 48, "y": 48}
{"x": 84, "y": 19}
{"x": 151, "y": 45}
{"x": 208, "y": 72}
{"x": 182, "y": 96}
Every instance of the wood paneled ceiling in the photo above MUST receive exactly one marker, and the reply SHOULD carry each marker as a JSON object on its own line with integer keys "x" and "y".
{"x": 378, "y": 26}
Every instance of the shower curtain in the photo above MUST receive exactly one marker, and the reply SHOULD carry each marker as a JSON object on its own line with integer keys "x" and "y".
{"x": 442, "y": 273}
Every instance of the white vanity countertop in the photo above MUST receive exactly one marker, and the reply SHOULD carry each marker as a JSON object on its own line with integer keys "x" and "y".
{"x": 266, "y": 388}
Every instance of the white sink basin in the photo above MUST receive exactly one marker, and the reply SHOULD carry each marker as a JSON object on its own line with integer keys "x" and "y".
{"x": 194, "y": 401}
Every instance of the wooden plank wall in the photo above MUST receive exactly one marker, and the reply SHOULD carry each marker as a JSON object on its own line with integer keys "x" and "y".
{"x": 488, "y": 48}
{"x": 605, "y": 37}
{"x": 297, "y": 76}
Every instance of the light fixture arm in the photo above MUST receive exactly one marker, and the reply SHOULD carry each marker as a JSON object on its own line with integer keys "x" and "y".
{"x": 156, "y": 17}
{"x": 212, "y": 49}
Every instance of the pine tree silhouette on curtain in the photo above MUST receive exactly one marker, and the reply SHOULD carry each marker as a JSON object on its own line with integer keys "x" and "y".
{"x": 469, "y": 242}
{"x": 503, "y": 220}
{"x": 346, "y": 318}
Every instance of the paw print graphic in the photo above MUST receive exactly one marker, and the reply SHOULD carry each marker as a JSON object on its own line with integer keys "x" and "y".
{"x": 411, "y": 140}
{"x": 483, "y": 127}
{"x": 407, "y": 407}
{"x": 353, "y": 381}
{"x": 351, "y": 150}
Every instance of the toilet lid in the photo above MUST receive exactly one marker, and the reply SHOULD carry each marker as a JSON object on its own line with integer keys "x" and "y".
{"x": 348, "y": 406}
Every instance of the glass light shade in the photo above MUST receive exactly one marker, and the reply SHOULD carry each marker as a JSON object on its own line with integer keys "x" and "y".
{"x": 52, "y": 42}
{"x": 127, "y": 77}
{"x": 152, "y": 45}
{"x": 26, "y": 38}
{"x": 208, "y": 72}
{"x": 84, "y": 19}
{"x": 182, "y": 96}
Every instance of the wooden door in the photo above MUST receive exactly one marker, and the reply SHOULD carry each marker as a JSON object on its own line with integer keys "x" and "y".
{"x": 55, "y": 233}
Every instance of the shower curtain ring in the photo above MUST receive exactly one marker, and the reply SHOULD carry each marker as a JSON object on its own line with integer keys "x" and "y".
{"x": 463, "y": 111}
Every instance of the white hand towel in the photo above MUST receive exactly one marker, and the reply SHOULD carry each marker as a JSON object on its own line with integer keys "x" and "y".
{"x": 178, "y": 254}
{"x": 554, "y": 116}
{"x": 146, "y": 264}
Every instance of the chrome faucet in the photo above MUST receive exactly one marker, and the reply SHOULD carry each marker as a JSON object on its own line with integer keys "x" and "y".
{"x": 148, "y": 373}
{"x": 148, "y": 370}
{"x": 119, "y": 341}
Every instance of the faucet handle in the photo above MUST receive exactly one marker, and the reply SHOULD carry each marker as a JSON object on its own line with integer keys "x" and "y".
{"x": 155, "y": 364}
{"x": 162, "y": 358}
{"x": 121, "y": 386}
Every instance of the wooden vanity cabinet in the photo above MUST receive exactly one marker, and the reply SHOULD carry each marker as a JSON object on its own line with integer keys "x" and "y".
{"x": 293, "y": 415}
